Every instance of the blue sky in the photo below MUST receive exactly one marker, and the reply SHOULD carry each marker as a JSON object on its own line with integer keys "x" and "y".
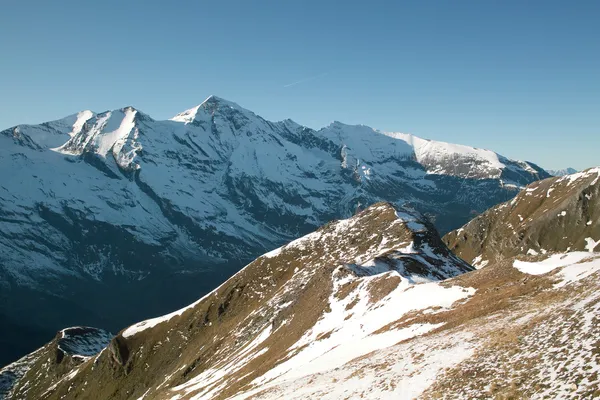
{"x": 519, "y": 77}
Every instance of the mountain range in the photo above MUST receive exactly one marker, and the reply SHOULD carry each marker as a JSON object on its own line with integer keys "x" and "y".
{"x": 108, "y": 218}
{"x": 561, "y": 172}
{"x": 376, "y": 306}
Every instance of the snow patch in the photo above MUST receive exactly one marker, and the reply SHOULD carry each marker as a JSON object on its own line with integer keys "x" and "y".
{"x": 591, "y": 244}
{"x": 82, "y": 118}
{"x": 573, "y": 266}
{"x": 346, "y": 333}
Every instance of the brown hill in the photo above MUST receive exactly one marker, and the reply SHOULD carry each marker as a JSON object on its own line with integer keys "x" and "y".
{"x": 249, "y": 324}
{"x": 556, "y": 214}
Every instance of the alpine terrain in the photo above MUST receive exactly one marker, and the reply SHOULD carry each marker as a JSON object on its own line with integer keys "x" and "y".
{"x": 561, "y": 172}
{"x": 114, "y": 217}
{"x": 557, "y": 214}
{"x": 375, "y": 307}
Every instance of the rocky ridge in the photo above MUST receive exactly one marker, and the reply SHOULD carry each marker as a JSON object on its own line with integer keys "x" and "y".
{"x": 558, "y": 214}
{"x": 321, "y": 299}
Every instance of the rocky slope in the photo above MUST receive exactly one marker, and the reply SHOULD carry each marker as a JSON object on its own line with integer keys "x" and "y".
{"x": 556, "y": 214}
{"x": 96, "y": 207}
{"x": 372, "y": 307}
{"x": 319, "y": 301}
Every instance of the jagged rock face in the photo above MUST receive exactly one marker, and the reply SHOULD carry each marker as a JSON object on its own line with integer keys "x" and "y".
{"x": 69, "y": 349}
{"x": 357, "y": 310}
{"x": 554, "y": 215}
{"x": 99, "y": 206}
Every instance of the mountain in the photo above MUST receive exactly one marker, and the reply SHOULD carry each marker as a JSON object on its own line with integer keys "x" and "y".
{"x": 329, "y": 286}
{"x": 370, "y": 307}
{"x": 556, "y": 214}
{"x": 561, "y": 172}
{"x": 69, "y": 349}
{"x": 113, "y": 217}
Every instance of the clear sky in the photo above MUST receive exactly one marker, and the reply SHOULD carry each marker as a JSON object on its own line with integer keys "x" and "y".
{"x": 519, "y": 77}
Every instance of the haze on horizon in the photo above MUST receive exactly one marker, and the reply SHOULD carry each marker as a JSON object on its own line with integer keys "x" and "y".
{"x": 517, "y": 78}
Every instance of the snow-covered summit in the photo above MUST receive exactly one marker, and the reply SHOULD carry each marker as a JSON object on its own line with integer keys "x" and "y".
{"x": 210, "y": 105}
{"x": 441, "y": 157}
{"x": 110, "y": 131}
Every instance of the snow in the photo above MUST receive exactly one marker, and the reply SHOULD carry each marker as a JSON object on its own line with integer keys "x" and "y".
{"x": 84, "y": 342}
{"x": 346, "y": 333}
{"x": 426, "y": 150}
{"x": 579, "y": 175}
{"x": 402, "y": 371}
{"x": 411, "y": 221}
{"x": 273, "y": 253}
{"x": 82, "y": 118}
{"x": 106, "y": 141}
{"x": 479, "y": 263}
{"x": 144, "y": 395}
{"x": 187, "y": 116}
{"x": 591, "y": 244}
{"x": 210, "y": 378}
{"x": 577, "y": 271}
{"x": 573, "y": 266}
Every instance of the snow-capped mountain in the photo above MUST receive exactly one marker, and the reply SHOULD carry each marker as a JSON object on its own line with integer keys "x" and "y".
{"x": 561, "y": 172}
{"x": 95, "y": 207}
{"x": 372, "y": 307}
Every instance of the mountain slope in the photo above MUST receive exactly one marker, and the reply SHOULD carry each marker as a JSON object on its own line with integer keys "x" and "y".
{"x": 316, "y": 302}
{"x": 70, "y": 348}
{"x": 556, "y": 214}
{"x": 356, "y": 310}
{"x": 99, "y": 206}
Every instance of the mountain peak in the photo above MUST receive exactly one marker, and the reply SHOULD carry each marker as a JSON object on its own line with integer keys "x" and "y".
{"x": 562, "y": 172}
{"x": 211, "y": 104}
